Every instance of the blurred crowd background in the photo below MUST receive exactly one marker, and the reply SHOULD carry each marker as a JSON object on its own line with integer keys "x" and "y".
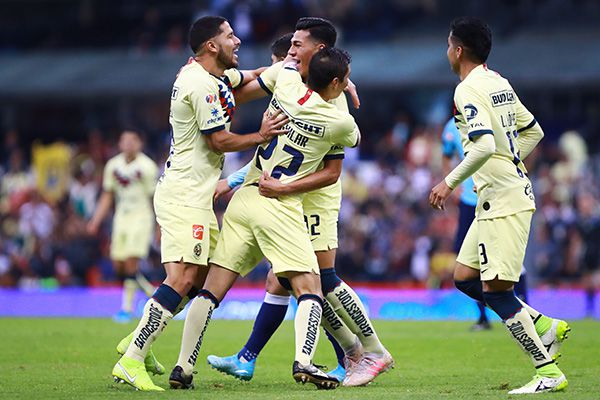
{"x": 57, "y": 138}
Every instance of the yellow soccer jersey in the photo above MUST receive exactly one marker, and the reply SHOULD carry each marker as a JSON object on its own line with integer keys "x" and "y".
{"x": 132, "y": 184}
{"x": 333, "y": 192}
{"x": 485, "y": 103}
{"x": 315, "y": 127}
{"x": 201, "y": 104}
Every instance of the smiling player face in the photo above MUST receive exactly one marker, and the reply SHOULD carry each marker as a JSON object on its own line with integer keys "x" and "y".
{"x": 302, "y": 48}
{"x": 228, "y": 45}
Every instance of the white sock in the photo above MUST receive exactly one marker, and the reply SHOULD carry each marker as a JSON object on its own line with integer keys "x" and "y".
{"x": 347, "y": 305}
{"x": 196, "y": 322}
{"x": 522, "y": 329}
{"x": 151, "y": 325}
{"x": 306, "y": 325}
{"x": 144, "y": 284}
{"x": 337, "y": 328}
{"x": 130, "y": 286}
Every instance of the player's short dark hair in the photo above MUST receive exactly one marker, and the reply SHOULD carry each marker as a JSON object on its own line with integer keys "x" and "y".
{"x": 326, "y": 64}
{"x": 474, "y": 35}
{"x": 203, "y": 29}
{"x": 280, "y": 46}
{"x": 321, "y": 30}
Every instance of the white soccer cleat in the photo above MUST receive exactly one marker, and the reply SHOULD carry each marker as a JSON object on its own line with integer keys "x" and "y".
{"x": 353, "y": 357}
{"x": 555, "y": 336}
{"x": 368, "y": 368}
{"x": 541, "y": 384}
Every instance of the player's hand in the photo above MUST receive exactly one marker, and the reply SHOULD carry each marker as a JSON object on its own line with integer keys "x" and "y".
{"x": 439, "y": 194}
{"x": 221, "y": 190}
{"x": 269, "y": 186}
{"x": 272, "y": 125}
{"x": 92, "y": 228}
{"x": 351, "y": 89}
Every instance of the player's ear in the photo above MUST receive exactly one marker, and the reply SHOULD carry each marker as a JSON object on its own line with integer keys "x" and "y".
{"x": 211, "y": 46}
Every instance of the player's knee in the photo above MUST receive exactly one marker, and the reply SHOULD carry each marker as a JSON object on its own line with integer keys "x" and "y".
{"x": 273, "y": 286}
{"x": 471, "y": 288}
{"x": 505, "y": 303}
{"x": 285, "y": 283}
{"x": 329, "y": 280}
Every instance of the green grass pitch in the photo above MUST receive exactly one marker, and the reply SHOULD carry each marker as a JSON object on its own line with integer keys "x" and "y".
{"x": 73, "y": 359}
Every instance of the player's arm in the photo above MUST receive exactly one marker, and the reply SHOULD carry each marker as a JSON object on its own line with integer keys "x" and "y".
{"x": 249, "y": 75}
{"x": 260, "y": 87}
{"x": 272, "y": 187}
{"x": 529, "y": 130}
{"x": 104, "y": 205}
{"x": 226, "y": 185}
{"x": 222, "y": 140}
{"x": 483, "y": 147}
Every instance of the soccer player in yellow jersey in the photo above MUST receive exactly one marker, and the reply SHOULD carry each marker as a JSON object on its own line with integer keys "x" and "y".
{"x": 497, "y": 132}
{"x": 255, "y": 226}
{"x": 202, "y": 106}
{"x": 361, "y": 349}
{"x": 128, "y": 182}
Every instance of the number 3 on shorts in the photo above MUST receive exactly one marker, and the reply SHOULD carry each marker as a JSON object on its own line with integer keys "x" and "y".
{"x": 484, "y": 259}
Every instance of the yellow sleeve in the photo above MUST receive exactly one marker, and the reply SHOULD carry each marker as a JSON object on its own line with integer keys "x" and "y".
{"x": 204, "y": 98}
{"x": 529, "y": 130}
{"x": 268, "y": 78}
{"x": 341, "y": 102}
{"x": 473, "y": 110}
{"x": 346, "y": 132}
{"x": 108, "y": 178}
{"x": 288, "y": 76}
{"x": 336, "y": 152}
{"x": 150, "y": 177}
{"x": 235, "y": 77}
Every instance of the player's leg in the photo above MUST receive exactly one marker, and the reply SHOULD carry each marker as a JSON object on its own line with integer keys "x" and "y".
{"x": 129, "y": 288}
{"x": 306, "y": 287}
{"x": 503, "y": 242}
{"x": 347, "y": 305}
{"x": 132, "y": 267}
{"x": 521, "y": 287}
{"x": 270, "y": 316}
{"x": 235, "y": 253}
{"x": 218, "y": 282}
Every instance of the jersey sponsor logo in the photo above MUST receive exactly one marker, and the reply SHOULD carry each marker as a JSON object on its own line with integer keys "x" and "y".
{"x": 125, "y": 180}
{"x": 330, "y": 316}
{"x": 503, "y": 97}
{"x": 198, "y": 231}
{"x": 307, "y": 128}
{"x": 214, "y": 112}
{"x": 337, "y": 147}
{"x": 211, "y": 98}
{"x": 470, "y": 111}
{"x": 174, "y": 93}
{"x": 529, "y": 191}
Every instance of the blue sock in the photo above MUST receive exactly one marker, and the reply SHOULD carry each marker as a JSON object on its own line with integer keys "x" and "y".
{"x": 521, "y": 288}
{"x": 270, "y": 316}
{"x": 482, "y": 315}
{"x": 167, "y": 297}
{"x": 339, "y": 353}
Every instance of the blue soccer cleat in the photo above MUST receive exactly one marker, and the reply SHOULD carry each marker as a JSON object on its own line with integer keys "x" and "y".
{"x": 232, "y": 366}
{"x": 122, "y": 317}
{"x": 339, "y": 373}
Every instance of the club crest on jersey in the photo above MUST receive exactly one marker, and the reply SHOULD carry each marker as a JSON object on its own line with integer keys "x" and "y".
{"x": 198, "y": 250}
{"x": 470, "y": 111}
{"x": 198, "y": 231}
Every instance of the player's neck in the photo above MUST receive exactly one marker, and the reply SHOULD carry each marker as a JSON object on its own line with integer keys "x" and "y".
{"x": 130, "y": 157}
{"x": 210, "y": 64}
{"x": 466, "y": 68}
{"x": 326, "y": 94}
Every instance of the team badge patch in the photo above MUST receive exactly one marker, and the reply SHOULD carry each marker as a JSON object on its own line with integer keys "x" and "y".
{"x": 198, "y": 231}
{"x": 470, "y": 111}
{"x": 197, "y": 249}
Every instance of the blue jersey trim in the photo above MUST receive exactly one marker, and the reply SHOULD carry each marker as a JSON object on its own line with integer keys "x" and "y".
{"x": 241, "y": 79}
{"x": 529, "y": 126}
{"x": 263, "y": 86}
{"x": 334, "y": 157}
{"x": 212, "y": 130}
{"x": 479, "y": 133}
